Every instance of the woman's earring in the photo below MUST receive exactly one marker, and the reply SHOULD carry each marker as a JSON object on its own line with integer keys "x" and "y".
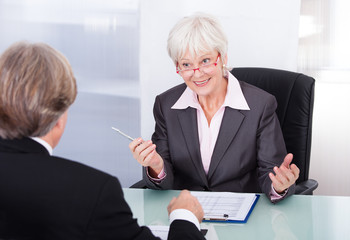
{"x": 224, "y": 70}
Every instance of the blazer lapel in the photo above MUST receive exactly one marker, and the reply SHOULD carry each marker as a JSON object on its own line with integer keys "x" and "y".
{"x": 230, "y": 125}
{"x": 188, "y": 122}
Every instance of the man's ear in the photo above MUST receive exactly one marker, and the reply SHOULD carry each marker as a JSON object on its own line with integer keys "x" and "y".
{"x": 59, "y": 128}
{"x": 61, "y": 123}
{"x": 56, "y": 132}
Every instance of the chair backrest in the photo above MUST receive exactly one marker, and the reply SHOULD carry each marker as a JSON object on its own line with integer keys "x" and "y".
{"x": 294, "y": 93}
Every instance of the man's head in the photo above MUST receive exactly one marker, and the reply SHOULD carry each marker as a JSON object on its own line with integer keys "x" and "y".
{"x": 37, "y": 86}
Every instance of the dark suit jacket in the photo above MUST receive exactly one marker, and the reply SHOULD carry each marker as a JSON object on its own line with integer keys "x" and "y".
{"x": 250, "y": 143}
{"x": 46, "y": 197}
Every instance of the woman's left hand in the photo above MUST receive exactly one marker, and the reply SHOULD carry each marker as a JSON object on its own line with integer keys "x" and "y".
{"x": 285, "y": 175}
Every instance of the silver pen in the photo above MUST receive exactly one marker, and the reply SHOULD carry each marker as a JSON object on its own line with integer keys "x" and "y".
{"x": 223, "y": 217}
{"x": 125, "y": 135}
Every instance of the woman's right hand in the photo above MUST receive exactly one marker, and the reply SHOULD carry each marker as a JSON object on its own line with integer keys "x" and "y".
{"x": 145, "y": 153}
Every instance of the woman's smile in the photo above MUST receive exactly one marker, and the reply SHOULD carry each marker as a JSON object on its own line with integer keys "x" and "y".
{"x": 201, "y": 83}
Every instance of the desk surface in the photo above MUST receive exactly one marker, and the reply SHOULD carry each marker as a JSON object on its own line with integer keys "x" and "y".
{"x": 297, "y": 217}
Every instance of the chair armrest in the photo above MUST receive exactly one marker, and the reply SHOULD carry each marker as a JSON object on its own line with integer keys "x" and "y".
{"x": 307, "y": 187}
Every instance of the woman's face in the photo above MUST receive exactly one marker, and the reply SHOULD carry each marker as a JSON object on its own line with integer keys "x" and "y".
{"x": 203, "y": 73}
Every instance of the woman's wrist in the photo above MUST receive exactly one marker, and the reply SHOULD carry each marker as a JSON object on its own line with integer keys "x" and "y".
{"x": 155, "y": 171}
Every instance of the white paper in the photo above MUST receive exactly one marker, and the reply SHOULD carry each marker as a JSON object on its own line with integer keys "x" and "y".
{"x": 217, "y": 205}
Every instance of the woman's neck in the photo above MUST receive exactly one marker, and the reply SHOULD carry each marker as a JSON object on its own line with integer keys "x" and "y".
{"x": 212, "y": 103}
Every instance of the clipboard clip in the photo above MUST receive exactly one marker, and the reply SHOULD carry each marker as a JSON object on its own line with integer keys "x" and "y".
{"x": 223, "y": 217}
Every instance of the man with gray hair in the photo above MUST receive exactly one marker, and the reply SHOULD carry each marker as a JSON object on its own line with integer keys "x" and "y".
{"x": 48, "y": 197}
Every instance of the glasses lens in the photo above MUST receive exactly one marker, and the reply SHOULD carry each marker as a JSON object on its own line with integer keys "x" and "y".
{"x": 187, "y": 73}
{"x": 208, "y": 69}
{"x": 205, "y": 69}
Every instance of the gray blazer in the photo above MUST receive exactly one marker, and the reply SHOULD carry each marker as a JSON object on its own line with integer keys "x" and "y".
{"x": 250, "y": 143}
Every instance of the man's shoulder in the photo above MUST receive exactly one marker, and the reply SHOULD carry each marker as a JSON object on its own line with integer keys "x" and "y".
{"x": 73, "y": 166}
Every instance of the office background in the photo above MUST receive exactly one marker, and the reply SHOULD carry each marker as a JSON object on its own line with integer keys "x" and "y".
{"x": 118, "y": 53}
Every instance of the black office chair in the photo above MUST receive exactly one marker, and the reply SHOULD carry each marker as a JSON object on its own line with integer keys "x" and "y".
{"x": 294, "y": 93}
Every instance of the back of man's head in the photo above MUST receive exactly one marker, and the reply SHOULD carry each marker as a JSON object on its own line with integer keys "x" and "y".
{"x": 37, "y": 86}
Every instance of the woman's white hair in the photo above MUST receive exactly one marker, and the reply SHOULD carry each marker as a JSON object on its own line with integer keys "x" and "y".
{"x": 197, "y": 33}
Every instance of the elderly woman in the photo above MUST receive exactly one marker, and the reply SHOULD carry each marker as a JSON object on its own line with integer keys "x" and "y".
{"x": 213, "y": 132}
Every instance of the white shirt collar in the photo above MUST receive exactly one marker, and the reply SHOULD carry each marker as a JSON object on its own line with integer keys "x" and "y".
{"x": 43, "y": 143}
{"x": 234, "y": 97}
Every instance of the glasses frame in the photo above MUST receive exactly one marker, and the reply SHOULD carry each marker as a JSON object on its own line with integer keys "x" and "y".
{"x": 178, "y": 71}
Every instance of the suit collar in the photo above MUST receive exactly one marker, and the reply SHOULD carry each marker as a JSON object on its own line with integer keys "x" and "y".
{"x": 43, "y": 143}
{"x": 24, "y": 145}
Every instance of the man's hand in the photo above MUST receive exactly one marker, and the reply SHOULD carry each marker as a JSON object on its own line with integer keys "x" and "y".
{"x": 187, "y": 201}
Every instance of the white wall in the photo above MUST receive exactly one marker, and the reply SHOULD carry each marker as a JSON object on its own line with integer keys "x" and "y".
{"x": 330, "y": 138}
{"x": 260, "y": 33}
{"x": 88, "y": 34}
{"x": 324, "y": 54}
